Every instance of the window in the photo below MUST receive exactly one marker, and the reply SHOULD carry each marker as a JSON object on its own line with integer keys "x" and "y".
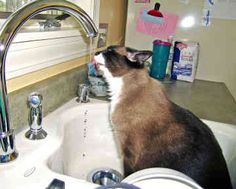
{"x": 11, "y": 5}
{"x": 46, "y": 46}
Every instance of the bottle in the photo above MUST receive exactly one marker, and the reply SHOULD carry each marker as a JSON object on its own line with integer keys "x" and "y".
{"x": 161, "y": 50}
{"x": 169, "y": 63}
{"x": 155, "y": 12}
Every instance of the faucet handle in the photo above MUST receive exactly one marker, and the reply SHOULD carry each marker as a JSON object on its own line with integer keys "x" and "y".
{"x": 35, "y": 117}
{"x": 35, "y": 100}
{"x": 84, "y": 90}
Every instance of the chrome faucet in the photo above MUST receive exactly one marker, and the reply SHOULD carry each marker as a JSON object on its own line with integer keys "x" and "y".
{"x": 83, "y": 93}
{"x": 36, "y": 131}
{"x": 8, "y": 31}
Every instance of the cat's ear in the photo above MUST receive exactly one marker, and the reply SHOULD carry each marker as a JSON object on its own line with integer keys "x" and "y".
{"x": 139, "y": 56}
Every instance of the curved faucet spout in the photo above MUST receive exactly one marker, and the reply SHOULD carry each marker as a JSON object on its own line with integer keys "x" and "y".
{"x": 7, "y": 34}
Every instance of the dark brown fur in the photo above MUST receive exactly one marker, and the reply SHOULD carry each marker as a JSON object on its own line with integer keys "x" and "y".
{"x": 154, "y": 132}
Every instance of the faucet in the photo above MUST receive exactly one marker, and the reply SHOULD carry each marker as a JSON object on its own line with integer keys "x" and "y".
{"x": 8, "y": 31}
{"x": 83, "y": 93}
{"x": 36, "y": 131}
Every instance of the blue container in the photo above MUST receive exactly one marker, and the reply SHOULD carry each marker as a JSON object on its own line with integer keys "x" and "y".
{"x": 161, "y": 51}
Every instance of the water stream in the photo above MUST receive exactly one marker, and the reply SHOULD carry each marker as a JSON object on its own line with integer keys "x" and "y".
{"x": 92, "y": 48}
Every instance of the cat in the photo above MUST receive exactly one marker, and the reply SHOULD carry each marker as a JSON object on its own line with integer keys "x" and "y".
{"x": 153, "y": 131}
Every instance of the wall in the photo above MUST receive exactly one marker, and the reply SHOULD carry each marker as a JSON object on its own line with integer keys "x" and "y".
{"x": 217, "y": 60}
{"x": 113, "y": 12}
{"x": 56, "y": 91}
{"x": 30, "y": 79}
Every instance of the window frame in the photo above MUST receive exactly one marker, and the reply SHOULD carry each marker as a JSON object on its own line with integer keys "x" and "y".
{"x": 38, "y": 44}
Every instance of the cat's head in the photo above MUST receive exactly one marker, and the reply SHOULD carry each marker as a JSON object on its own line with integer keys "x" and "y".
{"x": 116, "y": 61}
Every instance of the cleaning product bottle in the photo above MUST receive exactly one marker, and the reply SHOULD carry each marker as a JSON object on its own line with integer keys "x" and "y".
{"x": 155, "y": 12}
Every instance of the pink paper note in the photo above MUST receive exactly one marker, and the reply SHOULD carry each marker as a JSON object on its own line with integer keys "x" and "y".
{"x": 162, "y": 31}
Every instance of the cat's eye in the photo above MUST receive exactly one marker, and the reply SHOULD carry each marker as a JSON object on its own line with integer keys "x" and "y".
{"x": 109, "y": 49}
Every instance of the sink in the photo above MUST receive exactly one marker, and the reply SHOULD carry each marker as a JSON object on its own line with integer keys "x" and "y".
{"x": 88, "y": 142}
{"x": 80, "y": 141}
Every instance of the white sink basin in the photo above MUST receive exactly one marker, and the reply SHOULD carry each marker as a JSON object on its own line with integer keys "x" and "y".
{"x": 80, "y": 140}
{"x": 88, "y": 142}
{"x": 30, "y": 169}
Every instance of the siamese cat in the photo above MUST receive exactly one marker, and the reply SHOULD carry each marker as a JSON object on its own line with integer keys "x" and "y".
{"x": 153, "y": 131}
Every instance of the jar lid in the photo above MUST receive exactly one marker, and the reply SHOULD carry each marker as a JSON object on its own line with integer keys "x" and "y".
{"x": 160, "y": 42}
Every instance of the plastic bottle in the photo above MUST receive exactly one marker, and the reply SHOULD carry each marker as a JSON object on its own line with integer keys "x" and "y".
{"x": 169, "y": 63}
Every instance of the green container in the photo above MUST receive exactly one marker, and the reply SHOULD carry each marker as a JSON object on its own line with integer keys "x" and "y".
{"x": 161, "y": 51}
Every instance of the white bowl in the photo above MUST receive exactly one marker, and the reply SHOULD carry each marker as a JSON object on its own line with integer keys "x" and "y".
{"x": 161, "y": 178}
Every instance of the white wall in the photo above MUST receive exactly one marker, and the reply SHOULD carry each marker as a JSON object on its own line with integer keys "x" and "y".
{"x": 217, "y": 61}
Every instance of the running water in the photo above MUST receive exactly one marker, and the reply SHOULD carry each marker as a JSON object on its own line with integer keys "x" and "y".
{"x": 91, "y": 48}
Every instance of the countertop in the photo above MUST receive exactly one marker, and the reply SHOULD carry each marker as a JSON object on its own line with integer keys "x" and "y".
{"x": 206, "y": 99}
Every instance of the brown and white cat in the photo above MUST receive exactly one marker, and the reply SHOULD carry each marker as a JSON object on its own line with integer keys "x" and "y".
{"x": 152, "y": 130}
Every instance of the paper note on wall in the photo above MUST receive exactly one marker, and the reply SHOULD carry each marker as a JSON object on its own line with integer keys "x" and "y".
{"x": 162, "y": 31}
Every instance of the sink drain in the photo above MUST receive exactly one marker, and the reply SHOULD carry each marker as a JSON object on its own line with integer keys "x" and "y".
{"x": 104, "y": 176}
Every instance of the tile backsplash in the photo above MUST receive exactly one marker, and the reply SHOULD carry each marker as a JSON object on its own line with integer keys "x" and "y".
{"x": 56, "y": 91}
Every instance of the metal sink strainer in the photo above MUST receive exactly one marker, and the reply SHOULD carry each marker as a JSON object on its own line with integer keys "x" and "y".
{"x": 104, "y": 176}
